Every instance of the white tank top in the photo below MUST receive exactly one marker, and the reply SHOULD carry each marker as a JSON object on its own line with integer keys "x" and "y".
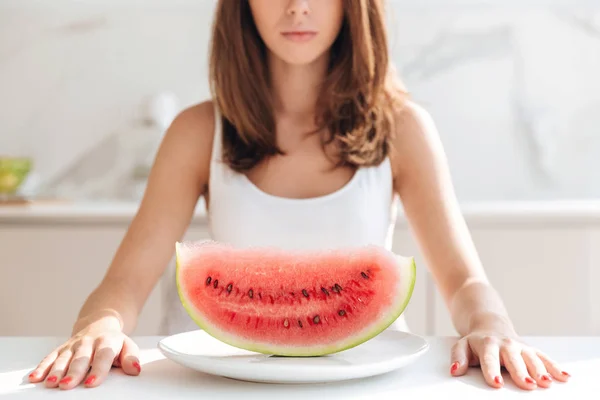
{"x": 239, "y": 213}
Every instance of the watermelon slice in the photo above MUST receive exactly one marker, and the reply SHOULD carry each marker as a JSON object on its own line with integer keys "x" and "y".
{"x": 292, "y": 303}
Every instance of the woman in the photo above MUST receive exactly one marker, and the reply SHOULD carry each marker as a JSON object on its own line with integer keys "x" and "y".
{"x": 307, "y": 142}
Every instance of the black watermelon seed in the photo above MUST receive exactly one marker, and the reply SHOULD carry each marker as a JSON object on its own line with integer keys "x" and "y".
{"x": 364, "y": 275}
{"x": 338, "y": 288}
{"x": 208, "y": 280}
{"x": 304, "y": 292}
{"x": 316, "y": 319}
{"x": 300, "y": 323}
{"x": 250, "y": 293}
{"x": 229, "y": 288}
{"x": 216, "y": 283}
{"x": 325, "y": 291}
{"x": 341, "y": 313}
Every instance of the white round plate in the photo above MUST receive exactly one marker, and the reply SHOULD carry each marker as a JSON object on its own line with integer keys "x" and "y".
{"x": 388, "y": 351}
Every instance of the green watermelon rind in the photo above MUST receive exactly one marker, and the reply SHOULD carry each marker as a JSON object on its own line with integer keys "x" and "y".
{"x": 408, "y": 267}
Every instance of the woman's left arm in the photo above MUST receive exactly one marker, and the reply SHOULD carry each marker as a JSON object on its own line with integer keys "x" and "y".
{"x": 422, "y": 180}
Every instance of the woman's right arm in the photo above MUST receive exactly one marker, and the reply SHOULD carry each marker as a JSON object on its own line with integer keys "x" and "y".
{"x": 178, "y": 178}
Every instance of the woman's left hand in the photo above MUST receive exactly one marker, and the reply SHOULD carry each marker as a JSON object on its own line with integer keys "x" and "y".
{"x": 528, "y": 367}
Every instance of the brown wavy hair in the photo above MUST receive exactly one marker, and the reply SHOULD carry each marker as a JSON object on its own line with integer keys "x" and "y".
{"x": 359, "y": 97}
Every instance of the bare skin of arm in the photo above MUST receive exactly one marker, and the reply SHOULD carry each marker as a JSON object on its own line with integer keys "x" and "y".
{"x": 175, "y": 184}
{"x": 177, "y": 180}
{"x": 423, "y": 182}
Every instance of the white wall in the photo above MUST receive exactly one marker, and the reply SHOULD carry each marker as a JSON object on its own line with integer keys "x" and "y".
{"x": 73, "y": 75}
{"x": 514, "y": 89}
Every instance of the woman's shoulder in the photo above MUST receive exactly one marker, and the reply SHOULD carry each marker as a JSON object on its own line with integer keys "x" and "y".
{"x": 415, "y": 137}
{"x": 411, "y": 118}
{"x": 197, "y": 121}
{"x": 188, "y": 141}
{"x": 195, "y": 126}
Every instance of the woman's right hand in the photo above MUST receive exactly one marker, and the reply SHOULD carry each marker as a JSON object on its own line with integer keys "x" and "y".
{"x": 88, "y": 357}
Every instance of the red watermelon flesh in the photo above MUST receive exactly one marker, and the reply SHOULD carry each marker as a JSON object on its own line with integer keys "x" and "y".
{"x": 294, "y": 303}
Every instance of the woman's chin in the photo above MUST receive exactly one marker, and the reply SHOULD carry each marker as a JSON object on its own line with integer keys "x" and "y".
{"x": 299, "y": 57}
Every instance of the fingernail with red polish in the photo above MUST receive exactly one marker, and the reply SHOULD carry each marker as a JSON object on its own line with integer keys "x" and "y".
{"x": 565, "y": 373}
{"x": 90, "y": 380}
{"x": 529, "y": 380}
{"x": 52, "y": 379}
{"x": 498, "y": 380}
{"x": 137, "y": 366}
{"x": 546, "y": 378}
{"x": 65, "y": 380}
{"x": 32, "y": 375}
{"x": 454, "y": 367}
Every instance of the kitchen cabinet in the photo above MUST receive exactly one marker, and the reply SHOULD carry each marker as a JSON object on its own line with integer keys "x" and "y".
{"x": 545, "y": 276}
{"x": 48, "y": 271}
{"x": 593, "y": 286}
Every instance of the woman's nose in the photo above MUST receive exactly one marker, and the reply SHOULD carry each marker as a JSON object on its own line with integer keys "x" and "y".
{"x": 298, "y": 7}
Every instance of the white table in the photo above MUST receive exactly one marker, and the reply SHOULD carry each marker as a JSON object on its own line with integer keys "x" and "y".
{"x": 162, "y": 378}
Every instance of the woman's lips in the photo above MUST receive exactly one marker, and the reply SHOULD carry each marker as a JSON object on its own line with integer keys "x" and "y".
{"x": 299, "y": 36}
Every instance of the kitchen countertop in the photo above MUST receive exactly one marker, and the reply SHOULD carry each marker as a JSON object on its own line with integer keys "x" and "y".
{"x": 480, "y": 213}
{"x": 162, "y": 378}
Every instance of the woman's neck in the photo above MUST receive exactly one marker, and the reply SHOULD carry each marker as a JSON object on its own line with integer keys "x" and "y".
{"x": 296, "y": 87}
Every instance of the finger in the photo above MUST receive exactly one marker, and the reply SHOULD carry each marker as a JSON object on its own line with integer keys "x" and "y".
{"x": 536, "y": 368}
{"x": 489, "y": 358}
{"x": 104, "y": 354}
{"x": 80, "y": 363}
{"x": 59, "y": 367}
{"x": 553, "y": 368}
{"x": 459, "y": 357}
{"x": 129, "y": 357}
{"x": 513, "y": 361}
{"x": 41, "y": 371}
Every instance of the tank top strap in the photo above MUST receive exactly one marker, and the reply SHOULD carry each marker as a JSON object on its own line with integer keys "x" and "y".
{"x": 216, "y": 153}
{"x": 220, "y": 174}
